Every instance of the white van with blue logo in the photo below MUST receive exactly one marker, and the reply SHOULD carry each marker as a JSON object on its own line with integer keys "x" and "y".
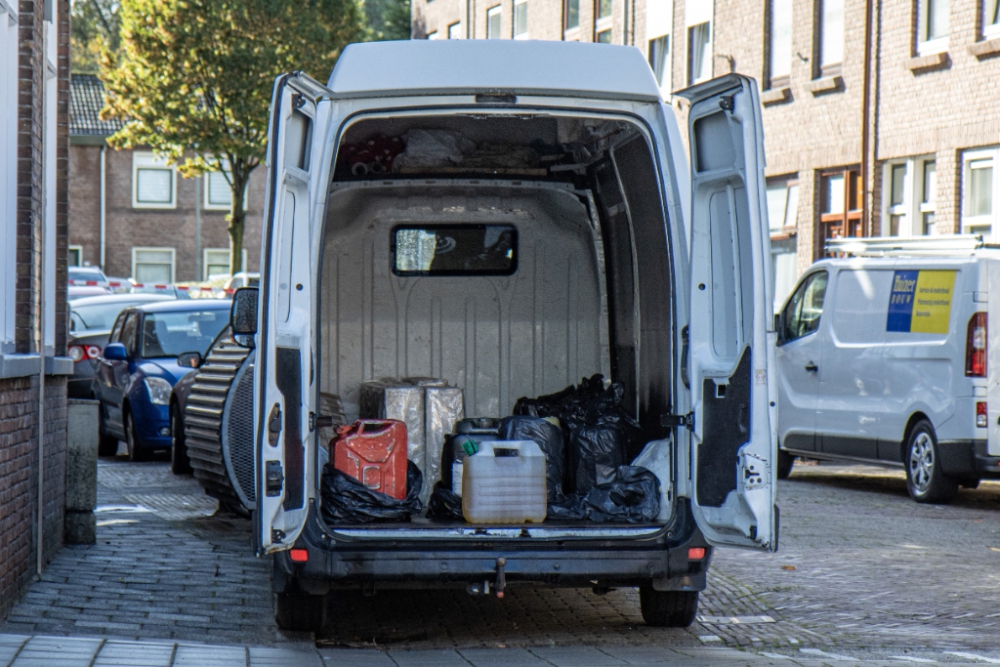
{"x": 884, "y": 359}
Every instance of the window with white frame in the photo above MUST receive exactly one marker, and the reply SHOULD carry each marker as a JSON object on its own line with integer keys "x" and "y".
{"x": 991, "y": 18}
{"x": 909, "y": 190}
{"x": 74, "y": 255}
{"x": 215, "y": 262}
{"x": 603, "y": 20}
{"x": 698, "y": 16}
{"x": 780, "y": 43}
{"x": 520, "y": 19}
{"x": 154, "y": 182}
{"x": 782, "y": 205}
{"x": 455, "y": 31}
{"x": 218, "y": 193}
{"x": 571, "y": 13}
{"x": 659, "y": 27}
{"x": 981, "y": 188}
{"x": 932, "y": 24}
{"x": 831, "y": 37}
{"x": 782, "y": 212}
{"x": 153, "y": 265}
{"x": 493, "y": 23}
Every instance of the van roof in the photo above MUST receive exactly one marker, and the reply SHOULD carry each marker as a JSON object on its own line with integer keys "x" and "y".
{"x": 513, "y": 67}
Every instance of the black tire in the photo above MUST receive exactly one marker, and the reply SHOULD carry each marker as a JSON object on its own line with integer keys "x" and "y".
{"x": 180, "y": 464}
{"x": 668, "y": 609}
{"x": 136, "y": 452}
{"x": 299, "y": 612}
{"x": 971, "y": 483}
{"x": 107, "y": 445}
{"x": 785, "y": 463}
{"x": 925, "y": 480}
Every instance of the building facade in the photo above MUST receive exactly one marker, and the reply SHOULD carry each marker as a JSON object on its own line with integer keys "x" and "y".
{"x": 136, "y": 217}
{"x": 879, "y": 117}
{"x": 34, "y": 154}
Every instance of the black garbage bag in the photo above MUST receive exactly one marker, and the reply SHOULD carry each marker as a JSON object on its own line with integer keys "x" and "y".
{"x": 597, "y": 451}
{"x": 346, "y": 500}
{"x": 632, "y": 496}
{"x": 445, "y": 504}
{"x": 549, "y": 438}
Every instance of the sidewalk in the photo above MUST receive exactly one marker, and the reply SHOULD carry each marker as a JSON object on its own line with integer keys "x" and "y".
{"x": 46, "y": 651}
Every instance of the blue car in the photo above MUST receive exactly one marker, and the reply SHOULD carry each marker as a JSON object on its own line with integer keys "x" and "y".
{"x": 139, "y": 367}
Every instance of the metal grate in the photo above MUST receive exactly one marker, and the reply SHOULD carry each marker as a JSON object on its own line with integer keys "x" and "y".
{"x": 237, "y": 434}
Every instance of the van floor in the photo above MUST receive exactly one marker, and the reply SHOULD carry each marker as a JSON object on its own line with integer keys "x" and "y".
{"x": 424, "y": 522}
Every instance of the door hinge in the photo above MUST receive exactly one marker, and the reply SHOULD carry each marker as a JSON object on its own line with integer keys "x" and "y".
{"x": 674, "y": 421}
{"x": 274, "y": 425}
{"x": 277, "y": 536}
{"x": 317, "y": 422}
{"x": 275, "y": 478}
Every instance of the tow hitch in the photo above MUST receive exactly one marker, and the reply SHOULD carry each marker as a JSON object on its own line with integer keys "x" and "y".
{"x": 498, "y": 585}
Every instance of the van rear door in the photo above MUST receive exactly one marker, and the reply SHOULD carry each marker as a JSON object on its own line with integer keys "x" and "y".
{"x": 285, "y": 391}
{"x": 990, "y": 283}
{"x": 731, "y": 330}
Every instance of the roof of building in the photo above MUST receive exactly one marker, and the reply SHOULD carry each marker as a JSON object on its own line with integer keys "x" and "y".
{"x": 86, "y": 99}
{"x": 427, "y": 67}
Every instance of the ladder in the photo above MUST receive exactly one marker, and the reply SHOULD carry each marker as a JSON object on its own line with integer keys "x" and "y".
{"x": 939, "y": 245}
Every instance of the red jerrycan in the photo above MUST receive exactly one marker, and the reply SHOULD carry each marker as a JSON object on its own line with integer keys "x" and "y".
{"x": 373, "y": 451}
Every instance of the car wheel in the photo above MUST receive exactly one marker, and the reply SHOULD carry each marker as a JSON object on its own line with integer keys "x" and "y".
{"x": 785, "y": 463}
{"x": 667, "y": 609}
{"x": 970, "y": 483}
{"x": 136, "y": 452}
{"x": 107, "y": 445}
{"x": 299, "y": 612}
{"x": 925, "y": 480}
{"x": 180, "y": 464}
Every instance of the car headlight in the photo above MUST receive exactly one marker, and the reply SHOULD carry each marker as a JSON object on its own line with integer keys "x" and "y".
{"x": 159, "y": 391}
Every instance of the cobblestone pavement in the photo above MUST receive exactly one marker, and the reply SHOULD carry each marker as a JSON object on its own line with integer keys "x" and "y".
{"x": 863, "y": 574}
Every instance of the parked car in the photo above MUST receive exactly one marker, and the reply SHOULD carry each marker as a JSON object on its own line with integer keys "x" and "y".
{"x": 139, "y": 368}
{"x": 90, "y": 321}
{"x": 242, "y": 279}
{"x": 541, "y": 220}
{"x": 887, "y": 360}
{"x": 74, "y": 292}
{"x": 170, "y": 290}
{"x": 86, "y": 276}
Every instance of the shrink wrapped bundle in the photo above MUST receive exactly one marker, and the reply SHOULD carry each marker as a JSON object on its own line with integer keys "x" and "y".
{"x": 404, "y": 402}
{"x": 444, "y": 406}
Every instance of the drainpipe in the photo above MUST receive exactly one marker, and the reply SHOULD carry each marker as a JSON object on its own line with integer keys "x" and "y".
{"x": 104, "y": 204}
{"x": 197, "y": 228}
{"x": 866, "y": 223}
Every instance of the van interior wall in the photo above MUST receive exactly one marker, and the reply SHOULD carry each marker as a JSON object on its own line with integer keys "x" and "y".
{"x": 497, "y": 337}
{"x": 639, "y": 273}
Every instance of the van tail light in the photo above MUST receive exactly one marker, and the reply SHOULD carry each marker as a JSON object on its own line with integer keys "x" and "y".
{"x": 696, "y": 553}
{"x": 981, "y": 414}
{"x": 975, "y": 347}
{"x": 299, "y": 555}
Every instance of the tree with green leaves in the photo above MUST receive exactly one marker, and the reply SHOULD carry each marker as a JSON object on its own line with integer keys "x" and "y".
{"x": 94, "y": 29}
{"x": 193, "y": 79}
{"x": 388, "y": 19}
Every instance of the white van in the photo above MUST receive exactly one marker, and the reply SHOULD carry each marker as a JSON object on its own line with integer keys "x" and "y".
{"x": 884, "y": 359}
{"x": 620, "y": 256}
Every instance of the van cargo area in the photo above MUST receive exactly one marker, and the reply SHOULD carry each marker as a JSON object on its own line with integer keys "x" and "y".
{"x": 496, "y": 253}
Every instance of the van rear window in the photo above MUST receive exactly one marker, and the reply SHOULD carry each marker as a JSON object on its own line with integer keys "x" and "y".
{"x": 454, "y": 250}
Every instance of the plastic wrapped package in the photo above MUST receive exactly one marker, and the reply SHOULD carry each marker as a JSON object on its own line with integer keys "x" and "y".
{"x": 597, "y": 451}
{"x": 432, "y": 148}
{"x": 549, "y": 439}
{"x": 631, "y": 496}
{"x": 391, "y": 399}
{"x": 444, "y": 407}
{"x": 345, "y": 500}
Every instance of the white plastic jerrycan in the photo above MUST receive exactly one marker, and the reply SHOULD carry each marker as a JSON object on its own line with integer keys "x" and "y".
{"x": 504, "y": 482}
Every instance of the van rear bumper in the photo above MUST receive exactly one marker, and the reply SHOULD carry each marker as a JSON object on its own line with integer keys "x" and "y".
{"x": 357, "y": 564}
{"x": 968, "y": 459}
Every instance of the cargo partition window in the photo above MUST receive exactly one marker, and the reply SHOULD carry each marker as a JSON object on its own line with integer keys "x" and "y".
{"x": 454, "y": 250}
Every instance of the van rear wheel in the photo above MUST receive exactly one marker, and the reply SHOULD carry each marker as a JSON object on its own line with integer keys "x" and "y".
{"x": 667, "y": 609}
{"x": 925, "y": 480}
{"x": 785, "y": 463}
{"x": 299, "y": 612}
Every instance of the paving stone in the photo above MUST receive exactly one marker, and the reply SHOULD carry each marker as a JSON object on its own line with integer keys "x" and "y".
{"x": 571, "y": 656}
{"x": 428, "y": 658}
{"x": 356, "y": 657}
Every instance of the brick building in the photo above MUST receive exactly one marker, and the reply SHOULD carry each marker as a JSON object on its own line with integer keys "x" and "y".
{"x": 134, "y": 216}
{"x": 880, "y": 118}
{"x": 34, "y": 152}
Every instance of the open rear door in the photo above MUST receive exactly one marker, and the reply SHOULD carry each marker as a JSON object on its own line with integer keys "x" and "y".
{"x": 731, "y": 331}
{"x": 284, "y": 390}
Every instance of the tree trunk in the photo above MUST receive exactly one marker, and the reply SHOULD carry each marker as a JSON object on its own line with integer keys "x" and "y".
{"x": 237, "y": 219}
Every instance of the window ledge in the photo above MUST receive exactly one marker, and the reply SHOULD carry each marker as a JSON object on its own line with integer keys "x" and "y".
{"x": 826, "y": 84}
{"x": 24, "y": 365}
{"x": 776, "y": 96}
{"x": 934, "y": 61}
{"x": 985, "y": 49}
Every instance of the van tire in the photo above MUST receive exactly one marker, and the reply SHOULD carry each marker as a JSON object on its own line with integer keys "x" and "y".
{"x": 785, "y": 463}
{"x": 299, "y": 612}
{"x": 925, "y": 480}
{"x": 667, "y": 609}
{"x": 180, "y": 464}
{"x": 970, "y": 483}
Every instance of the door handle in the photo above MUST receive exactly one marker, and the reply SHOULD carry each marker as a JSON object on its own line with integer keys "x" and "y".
{"x": 811, "y": 367}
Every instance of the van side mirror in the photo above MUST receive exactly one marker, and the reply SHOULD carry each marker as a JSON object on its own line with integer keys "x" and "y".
{"x": 115, "y": 352}
{"x": 777, "y": 326}
{"x": 189, "y": 360}
{"x": 243, "y": 315}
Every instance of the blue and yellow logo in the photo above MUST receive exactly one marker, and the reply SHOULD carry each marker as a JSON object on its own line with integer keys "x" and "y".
{"x": 920, "y": 301}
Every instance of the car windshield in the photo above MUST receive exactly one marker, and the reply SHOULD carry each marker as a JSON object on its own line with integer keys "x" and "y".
{"x": 78, "y": 273}
{"x": 171, "y": 334}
